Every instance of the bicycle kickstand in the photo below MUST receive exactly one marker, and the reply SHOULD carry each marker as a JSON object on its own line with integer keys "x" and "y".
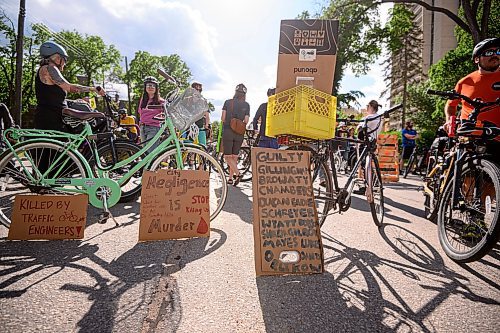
{"x": 106, "y": 214}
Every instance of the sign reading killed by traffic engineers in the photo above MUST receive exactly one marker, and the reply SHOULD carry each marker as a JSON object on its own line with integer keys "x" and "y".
{"x": 287, "y": 237}
{"x": 174, "y": 204}
{"x": 49, "y": 217}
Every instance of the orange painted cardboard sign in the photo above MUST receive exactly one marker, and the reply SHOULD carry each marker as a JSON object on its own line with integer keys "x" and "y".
{"x": 174, "y": 204}
{"x": 49, "y": 217}
{"x": 287, "y": 237}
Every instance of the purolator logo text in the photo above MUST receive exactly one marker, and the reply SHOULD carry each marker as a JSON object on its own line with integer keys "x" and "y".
{"x": 311, "y": 70}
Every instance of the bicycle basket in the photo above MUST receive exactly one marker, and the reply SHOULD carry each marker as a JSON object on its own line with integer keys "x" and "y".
{"x": 187, "y": 108}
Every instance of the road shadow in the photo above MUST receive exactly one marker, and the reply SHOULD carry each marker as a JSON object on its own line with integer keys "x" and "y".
{"x": 357, "y": 278}
{"x": 409, "y": 209}
{"x": 239, "y": 203}
{"x": 311, "y": 303}
{"x": 136, "y": 272}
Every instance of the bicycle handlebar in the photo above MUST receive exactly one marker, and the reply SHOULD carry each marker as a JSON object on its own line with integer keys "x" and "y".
{"x": 479, "y": 105}
{"x": 167, "y": 76}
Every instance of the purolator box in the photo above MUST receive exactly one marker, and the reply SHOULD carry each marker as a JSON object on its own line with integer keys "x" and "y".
{"x": 307, "y": 54}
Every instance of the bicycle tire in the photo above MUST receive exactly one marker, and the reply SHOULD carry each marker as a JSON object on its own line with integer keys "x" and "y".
{"x": 244, "y": 164}
{"x": 198, "y": 160}
{"x": 131, "y": 188}
{"x": 453, "y": 232}
{"x": 322, "y": 192}
{"x": 409, "y": 165}
{"x": 13, "y": 180}
{"x": 377, "y": 206}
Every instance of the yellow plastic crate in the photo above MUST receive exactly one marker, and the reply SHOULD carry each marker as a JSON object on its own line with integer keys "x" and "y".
{"x": 301, "y": 111}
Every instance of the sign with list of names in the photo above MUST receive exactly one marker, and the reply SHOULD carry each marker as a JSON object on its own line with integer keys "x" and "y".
{"x": 49, "y": 217}
{"x": 287, "y": 237}
{"x": 174, "y": 204}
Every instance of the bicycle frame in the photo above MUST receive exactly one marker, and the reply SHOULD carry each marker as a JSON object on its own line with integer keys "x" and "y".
{"x": 75, "y": 140}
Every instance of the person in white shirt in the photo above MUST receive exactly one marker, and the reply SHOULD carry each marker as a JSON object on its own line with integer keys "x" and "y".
{"x": 374, "y": 127}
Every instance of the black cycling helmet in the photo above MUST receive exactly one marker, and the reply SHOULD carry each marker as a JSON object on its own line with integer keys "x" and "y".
{"x": 241, "y": 88}
{"x": 150, "y": 79}
{"x": 271, "y": 91}
{"x": 50, "y": 48}
{"x": 122, "y": 111}
{"x": 483, "y": 45}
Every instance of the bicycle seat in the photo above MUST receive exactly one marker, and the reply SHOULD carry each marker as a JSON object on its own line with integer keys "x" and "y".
{"x": 82, "y": 115}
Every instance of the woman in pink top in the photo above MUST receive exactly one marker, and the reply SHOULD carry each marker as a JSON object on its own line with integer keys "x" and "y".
{"x": 149, "y": 107}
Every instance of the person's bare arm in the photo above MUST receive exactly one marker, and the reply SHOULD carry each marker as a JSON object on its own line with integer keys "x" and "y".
{"x": 449, "y": 111}
{"x": 247, "y": 118}
{"x": 52, "y": 75}
{"x": 223, "y": 117}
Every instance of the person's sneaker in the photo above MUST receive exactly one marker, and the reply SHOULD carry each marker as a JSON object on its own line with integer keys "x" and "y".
{"x": 322, "y": 183}
{"x": 360, "y": 190}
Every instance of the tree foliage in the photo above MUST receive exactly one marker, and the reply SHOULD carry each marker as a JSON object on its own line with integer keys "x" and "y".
{"x": 90, "y": 58}
{"x": 475, "y": 21}
{"x": 403, "y": 64}
{"x": 360, "y": 36}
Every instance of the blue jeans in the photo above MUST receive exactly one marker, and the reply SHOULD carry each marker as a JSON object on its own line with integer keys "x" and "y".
{"x": 268, "y": 142}
{"x": 147, "y": 133}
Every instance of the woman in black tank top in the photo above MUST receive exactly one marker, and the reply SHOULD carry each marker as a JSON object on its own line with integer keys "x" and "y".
{"x": 51, "y": 87}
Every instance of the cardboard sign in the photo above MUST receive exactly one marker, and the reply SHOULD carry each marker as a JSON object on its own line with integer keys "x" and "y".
{"x": 49, "y": 217}
{"x": 174, "y": 204}
{"x": 287, "y": 238}
{"x": 307, "y": 54}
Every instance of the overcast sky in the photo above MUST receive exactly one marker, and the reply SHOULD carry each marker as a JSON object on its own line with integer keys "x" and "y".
{"x": 223, "y": 42}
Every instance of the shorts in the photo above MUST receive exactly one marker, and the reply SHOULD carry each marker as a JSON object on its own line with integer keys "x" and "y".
{"x": 231, "y": 142}
{"x": 407, "y": 150}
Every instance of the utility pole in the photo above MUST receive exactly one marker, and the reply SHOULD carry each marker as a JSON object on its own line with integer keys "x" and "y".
{"x": 128, "y": 88}
{"x": 19, "y": 62}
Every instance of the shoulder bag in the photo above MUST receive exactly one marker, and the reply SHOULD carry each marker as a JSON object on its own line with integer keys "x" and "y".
{"x": 238, "y": 126}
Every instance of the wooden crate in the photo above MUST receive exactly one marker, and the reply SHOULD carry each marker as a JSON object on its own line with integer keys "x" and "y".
{"x": 388, "y": 156}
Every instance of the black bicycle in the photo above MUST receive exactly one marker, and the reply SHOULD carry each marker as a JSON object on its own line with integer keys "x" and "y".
{"x": 329, "y": 196}
{"x": 468, "y": 211}
{"x": 417, "y": 161}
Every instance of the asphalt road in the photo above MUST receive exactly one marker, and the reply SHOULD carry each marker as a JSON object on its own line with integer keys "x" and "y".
{"x": 392, "y": 279}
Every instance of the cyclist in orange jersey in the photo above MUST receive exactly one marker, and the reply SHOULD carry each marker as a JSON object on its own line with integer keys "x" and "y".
{"x": 483, "y": 83}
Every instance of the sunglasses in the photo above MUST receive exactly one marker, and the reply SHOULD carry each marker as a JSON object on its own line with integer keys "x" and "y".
{"x": 489, "y": 53}
{"x": 150, "y": 85}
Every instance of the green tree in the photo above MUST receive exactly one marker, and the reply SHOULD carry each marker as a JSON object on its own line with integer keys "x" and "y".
{"x": 475, "y": 21}
{"x": 403, "y": 64}
{"x": 360, "y": 36}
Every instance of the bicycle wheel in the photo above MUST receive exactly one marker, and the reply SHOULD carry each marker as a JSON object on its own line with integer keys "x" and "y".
{"x": 377, "y": 193}
{"x": 409, "y": 165}
{"x": 244, "y": 164}
{"x": 322, "y": 183}
{"x": 34, "y": 160}
{"x": 131, "y": 188}
{"x": 468, "y": 231}
{"x": 196, "y": 159}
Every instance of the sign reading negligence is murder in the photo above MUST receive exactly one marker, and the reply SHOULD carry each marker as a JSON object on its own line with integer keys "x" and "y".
{"x": 174, "y": 204}
{"x": 287, "y": 238}
{"x": 49, "y": 217}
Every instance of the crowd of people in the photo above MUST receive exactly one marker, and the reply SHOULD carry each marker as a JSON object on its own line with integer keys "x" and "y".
{"x": 52, "y": 88}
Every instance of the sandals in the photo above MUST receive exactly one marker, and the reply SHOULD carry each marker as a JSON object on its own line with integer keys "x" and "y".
{"x": 230, "y": 181}
{"x": 237, "y": 180}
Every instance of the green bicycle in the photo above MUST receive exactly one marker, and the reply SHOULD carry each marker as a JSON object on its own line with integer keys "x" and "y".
{"x": 49, "y": 162}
